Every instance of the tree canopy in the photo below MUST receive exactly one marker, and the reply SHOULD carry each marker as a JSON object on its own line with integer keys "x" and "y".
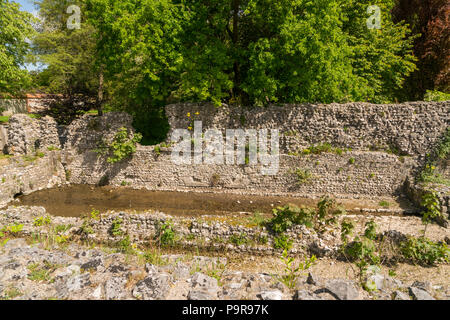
{"x": 15, "y": 32}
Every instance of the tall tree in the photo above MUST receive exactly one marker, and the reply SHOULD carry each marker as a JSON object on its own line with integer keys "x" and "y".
{"x": 15, "y": 31}
{"x": 68, "y": 53}
{"x": 292, "y": 51}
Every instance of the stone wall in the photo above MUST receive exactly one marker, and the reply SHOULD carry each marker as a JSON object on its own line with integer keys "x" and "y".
{"x": 13, "y": 106}
{"x": 372, "y": 174}
{"x": 24, "y": 175}
{"x": 409, "y": 128}
{"x": 382, "y": 147}
{"x": 27, "y": 135}
{"x": 3, "y": 137}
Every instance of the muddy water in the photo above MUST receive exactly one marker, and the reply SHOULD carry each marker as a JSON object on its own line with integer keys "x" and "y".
{"x": 77, "y": 200}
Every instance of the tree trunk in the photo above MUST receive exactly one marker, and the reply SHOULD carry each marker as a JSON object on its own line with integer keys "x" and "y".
{"x": 100, "y": 93}
{"x": 237, "y": 75}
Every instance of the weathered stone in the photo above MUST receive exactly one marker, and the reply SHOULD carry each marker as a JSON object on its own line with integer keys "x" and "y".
{"x": 270, "y": 295}
{"x": 93, "y": 264}
{"x": 115, "y": 288}
{"x": 200, "y": 295}
{"x": 313, "y": 279}
{"x": 399, "y": 295}
{"x": 424, "y": 285}
{"x": 376, "y": 281}
{"x": 153, "y": 287}
{"x": 78, "y": 282}
{"x": 304, "y": 295}
{"x": 343, "y": 289}
{"x": 201, "y": 281}
{"x": 419, "y": 294}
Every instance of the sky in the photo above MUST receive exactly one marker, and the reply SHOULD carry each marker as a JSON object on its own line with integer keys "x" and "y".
{"x": 26, "y": 5}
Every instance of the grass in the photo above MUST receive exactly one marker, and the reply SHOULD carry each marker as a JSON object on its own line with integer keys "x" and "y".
{"x": 5, "y": 119}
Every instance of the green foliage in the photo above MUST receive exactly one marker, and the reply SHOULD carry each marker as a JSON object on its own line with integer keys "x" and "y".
{"x": 323, "y": 148}
{"x": 240, "y": 239}
{"x": 282, "y": 242}
{"x": 40, "y": 273}
{"x": 165, "y": 234}
{"x": 384, "y": 203}
{"x": 290, "y": 215}
{"x": 121, "y": 147}
{"x": 424, "y": 251}
{"x": 11, "y": 293}
{"x": 292, "y": 272}
{"x": 95, "y": 214}
{"x": 11, "y": 230}
{"x": 363, "y": 249}
{"x": 436, "y": 96}
{"x": 257, "y": 219}
{"x": 16, "y": 29}
{"x": 42, "y": 221}
{"x": 124, "y": 245}
{"x": 243, "y": 52}
{"x": 68, "y": 54}
{"x": 442, "y": 151}
{"x": 116, "y": 227}
{"x": 302, "y": 176}
{"x": 430, "y": 201}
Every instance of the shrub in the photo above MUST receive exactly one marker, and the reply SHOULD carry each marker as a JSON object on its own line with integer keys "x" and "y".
{"x": 302, "y": 176}
{"x": 41, "y": 221}
{"x": 282, "y": 242}
{"x": 116, "y": 227}
{"x": 239, "y": 239}
{"x": 165, "y": 234}
{"x": 291, "y": 272}
{"x": 362, "y": 249}
{"x": 424, "y": 251}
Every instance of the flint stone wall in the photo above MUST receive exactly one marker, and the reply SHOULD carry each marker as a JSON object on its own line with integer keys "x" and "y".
{"x": 410, "y": 128}
{"x": 27, "y": 135}
{"x": 19, "y": 175}
{"x": 368, "y": 170}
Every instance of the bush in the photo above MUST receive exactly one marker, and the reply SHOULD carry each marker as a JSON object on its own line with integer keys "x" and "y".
{"x": 165, "y": 234}
{"x": 424, "y": 251}
{"x": 282, "y": 242}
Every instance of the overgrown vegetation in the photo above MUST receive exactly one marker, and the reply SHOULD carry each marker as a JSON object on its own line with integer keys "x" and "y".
{"x": 165, "y": 234}
{"x": 121, "y": 147}
{"x": 442, "y": 151}
{"x": 293, "y": 271}
{"x": 324, "y": 215}
{"x": 362, "y": 250}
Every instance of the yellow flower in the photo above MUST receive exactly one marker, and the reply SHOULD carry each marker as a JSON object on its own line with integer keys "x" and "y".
{"x": 189, "y": 128}
{"x": 433, "y": 167}
{"x": 197, "y": 113}
{"x": 189, "y": 114}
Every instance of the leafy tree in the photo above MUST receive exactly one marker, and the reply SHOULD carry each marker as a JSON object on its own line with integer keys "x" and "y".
{"x": 69, "y": 55}
{"x": 298, "y": 51}
{"x": 138, "y": 47}
{"x": 15, "y": 30}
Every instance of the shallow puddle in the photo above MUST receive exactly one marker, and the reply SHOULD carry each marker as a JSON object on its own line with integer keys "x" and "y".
{"x": 76, "y": 200}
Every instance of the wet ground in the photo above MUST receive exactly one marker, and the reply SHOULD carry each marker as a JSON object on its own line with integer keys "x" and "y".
{"x": 76, "y": 200}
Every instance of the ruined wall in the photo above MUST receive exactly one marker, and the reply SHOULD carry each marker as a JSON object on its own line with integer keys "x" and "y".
{"x": 382, "y": 147}
{"x": 3, "y": 137}
{"x": 24, "y": 175}
{"x": 27, "y": 135}
{"x": 410, "y": 128}
{"x": 13, "y": 106}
